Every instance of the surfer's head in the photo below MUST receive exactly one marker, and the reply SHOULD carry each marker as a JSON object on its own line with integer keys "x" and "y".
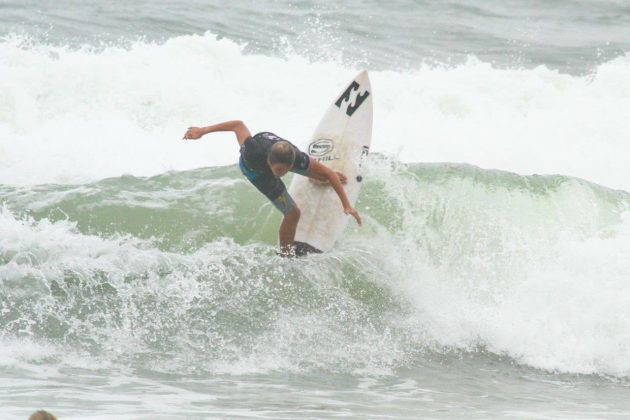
{"x": 42, "y": 415}
{"x": 281, "y": 158}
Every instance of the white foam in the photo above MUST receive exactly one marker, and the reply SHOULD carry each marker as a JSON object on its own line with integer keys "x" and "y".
{"x": 70, "y": 115}
{"x": 570, "y": 312}
{"x": 542, "y": 278}
{"x": 43, "y": 249}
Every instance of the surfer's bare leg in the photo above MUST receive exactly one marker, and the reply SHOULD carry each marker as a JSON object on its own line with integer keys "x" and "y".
{"x": 286, "y": 235}
{"x": 287, "y": 230}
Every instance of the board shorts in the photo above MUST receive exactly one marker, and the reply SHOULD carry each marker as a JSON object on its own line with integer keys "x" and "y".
{"x": 273, "y": 188}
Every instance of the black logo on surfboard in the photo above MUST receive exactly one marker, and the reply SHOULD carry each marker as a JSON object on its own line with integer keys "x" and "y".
{"x": 365, "y": 151}
{"x": 321, "y": 147}
{"x": 345, "y": 97}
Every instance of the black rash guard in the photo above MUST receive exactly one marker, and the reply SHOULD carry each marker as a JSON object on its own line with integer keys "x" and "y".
{"x": 253, "y": 164}
{"x": 255, "y": 151}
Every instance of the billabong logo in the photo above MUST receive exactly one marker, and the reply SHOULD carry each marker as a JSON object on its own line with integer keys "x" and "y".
{"x": 345, "y": 98}
{"x": 321, "y": 147}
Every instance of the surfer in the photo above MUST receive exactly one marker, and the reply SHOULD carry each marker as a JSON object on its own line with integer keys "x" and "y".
{"x": 265, "y": 158}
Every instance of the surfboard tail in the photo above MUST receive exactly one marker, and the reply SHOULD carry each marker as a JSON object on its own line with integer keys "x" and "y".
{"x": 302, "y": 249}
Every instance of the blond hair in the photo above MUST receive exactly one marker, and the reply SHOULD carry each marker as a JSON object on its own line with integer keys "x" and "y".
{"x": 282, "y": 152}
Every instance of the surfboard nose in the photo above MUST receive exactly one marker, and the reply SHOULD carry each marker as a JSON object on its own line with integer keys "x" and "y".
{"x": 363, "y": 76}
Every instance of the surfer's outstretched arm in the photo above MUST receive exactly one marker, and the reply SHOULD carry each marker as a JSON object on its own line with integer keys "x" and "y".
{"x": 237, "y": 126}
{"x": 323, "y": 172}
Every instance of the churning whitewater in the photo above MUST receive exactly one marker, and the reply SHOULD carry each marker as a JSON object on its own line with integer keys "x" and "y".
{"x": 178, "y": 268}
{"x": 89, "y": 113}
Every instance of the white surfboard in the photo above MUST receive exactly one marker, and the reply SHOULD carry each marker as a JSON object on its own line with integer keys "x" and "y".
{"x": 341, "y": 141}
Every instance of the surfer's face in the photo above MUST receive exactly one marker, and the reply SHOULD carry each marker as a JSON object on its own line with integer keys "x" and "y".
{"x": 279, "y": 169}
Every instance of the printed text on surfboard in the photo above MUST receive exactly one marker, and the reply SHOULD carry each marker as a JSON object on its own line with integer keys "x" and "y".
{"x": 345, "y": 97}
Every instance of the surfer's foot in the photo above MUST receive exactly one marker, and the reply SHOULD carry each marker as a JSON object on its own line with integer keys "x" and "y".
{"x": 287, "y": 251}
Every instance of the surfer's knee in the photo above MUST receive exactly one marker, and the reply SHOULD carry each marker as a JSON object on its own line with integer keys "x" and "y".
{"x": 294, "y": 213}
{"x": 291, "y": 217}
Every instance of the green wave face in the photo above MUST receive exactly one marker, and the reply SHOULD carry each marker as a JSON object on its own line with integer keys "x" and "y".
{"x": 178, "y": 272}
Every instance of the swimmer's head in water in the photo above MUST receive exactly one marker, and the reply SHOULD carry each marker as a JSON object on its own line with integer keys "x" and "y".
{"x": 42, "y": 415}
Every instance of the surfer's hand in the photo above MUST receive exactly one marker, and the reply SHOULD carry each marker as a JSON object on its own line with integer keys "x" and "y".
{"x": 352, "y": 212}
{"x": 193, "y": 133}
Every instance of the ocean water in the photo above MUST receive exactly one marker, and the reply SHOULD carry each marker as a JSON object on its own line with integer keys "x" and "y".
{"x": 138, "y": 274}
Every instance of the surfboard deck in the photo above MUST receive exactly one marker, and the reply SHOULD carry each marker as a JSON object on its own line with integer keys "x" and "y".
{"x": 341, "y": 141}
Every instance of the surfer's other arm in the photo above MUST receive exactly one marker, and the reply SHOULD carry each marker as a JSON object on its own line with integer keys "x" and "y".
{"x": 237, "y": 126}
{"x": 325, "y": 173}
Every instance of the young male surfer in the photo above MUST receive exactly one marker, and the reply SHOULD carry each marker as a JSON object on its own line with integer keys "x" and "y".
{"x": 265, "y": 158}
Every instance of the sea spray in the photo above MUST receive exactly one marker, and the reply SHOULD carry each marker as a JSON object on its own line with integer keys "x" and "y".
{"x": 452, "y": 257}
{"x": 81, "y": 114}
